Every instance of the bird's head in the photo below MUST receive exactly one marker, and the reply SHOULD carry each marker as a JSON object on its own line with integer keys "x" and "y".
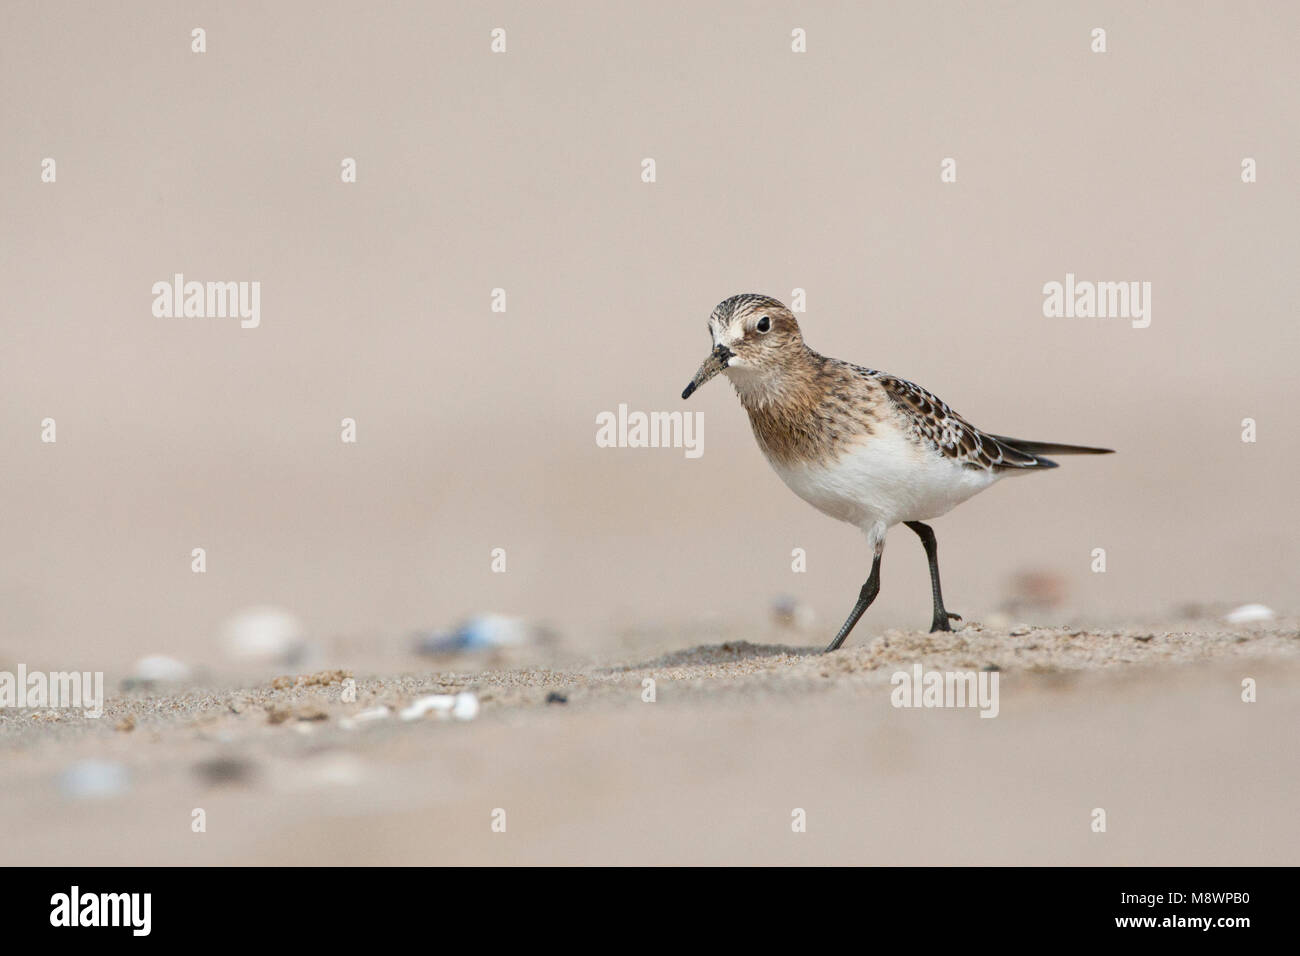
{"x": 754, "y": 338}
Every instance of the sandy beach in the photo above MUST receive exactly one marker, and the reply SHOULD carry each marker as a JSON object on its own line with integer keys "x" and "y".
{"x": 1147, "y": 724}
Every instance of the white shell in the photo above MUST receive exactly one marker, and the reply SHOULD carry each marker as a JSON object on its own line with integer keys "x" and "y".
{"x": 462, "y": 706}
{"x": 1248, "y": 613}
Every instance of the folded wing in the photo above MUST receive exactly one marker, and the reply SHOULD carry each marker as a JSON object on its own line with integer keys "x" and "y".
{"x": 934, "y": 422}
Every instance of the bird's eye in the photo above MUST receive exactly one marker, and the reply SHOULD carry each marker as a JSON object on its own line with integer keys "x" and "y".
{"x": 764, "y": 324}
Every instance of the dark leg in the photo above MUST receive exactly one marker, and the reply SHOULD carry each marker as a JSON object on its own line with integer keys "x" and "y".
{"x": 865, "y": 597}
{"x": 941, "y": 617}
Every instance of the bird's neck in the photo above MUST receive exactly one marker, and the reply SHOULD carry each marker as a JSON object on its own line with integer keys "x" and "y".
{"x": 785, "y": 403}
{"x": 788, "y": 388}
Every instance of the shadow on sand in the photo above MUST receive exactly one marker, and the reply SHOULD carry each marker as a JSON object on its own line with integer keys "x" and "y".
{"x": 726, "y": 653}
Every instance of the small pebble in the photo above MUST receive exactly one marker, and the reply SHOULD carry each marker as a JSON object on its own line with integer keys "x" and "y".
{"x": 156, "y": 669}
{"x": 220, "y": 770}
{"x": 364, "y": 717}
{"x": 790, "y": 613}
{"x": 265, "y": 635}
{"x": 485, "y": 632}
{"x": 94, "y": 779}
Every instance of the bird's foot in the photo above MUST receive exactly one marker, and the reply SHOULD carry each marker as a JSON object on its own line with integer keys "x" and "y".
{"x": 941, "y": 623}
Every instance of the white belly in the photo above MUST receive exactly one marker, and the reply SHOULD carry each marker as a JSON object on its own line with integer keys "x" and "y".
{"x": 886, "y": 480}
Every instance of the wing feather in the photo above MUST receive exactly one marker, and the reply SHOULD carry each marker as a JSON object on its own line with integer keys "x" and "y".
{"x": 934, "y": 422}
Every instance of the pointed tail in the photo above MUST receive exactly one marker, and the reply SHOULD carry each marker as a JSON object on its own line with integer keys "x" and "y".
{"x": 1050, "y": 447}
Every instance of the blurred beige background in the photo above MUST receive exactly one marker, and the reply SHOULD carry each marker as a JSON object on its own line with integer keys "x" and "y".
{"x": 522, "y": 171}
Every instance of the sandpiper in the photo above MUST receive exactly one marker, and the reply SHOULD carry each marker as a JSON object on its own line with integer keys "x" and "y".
{"x": 859, "y": 445}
